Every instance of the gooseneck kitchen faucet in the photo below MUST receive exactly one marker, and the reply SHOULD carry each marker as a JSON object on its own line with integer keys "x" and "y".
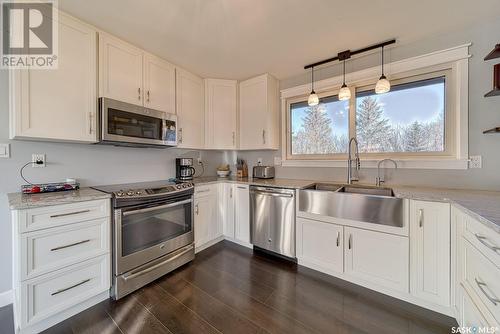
{"x": 350, "y": 160}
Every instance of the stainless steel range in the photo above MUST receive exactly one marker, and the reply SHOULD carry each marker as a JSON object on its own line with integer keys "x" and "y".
{"x": 152, "y": 232}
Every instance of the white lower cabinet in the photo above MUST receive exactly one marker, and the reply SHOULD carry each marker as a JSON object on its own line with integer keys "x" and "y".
{"x": 242, "y": 214}
{"x": 207, "y": 224}
{"x": 430, "y": 233}
{"x": 320, "y": 245}
{"x": 226, "y": 205}
{"x": 61, "y": 262}
{"x": 377, "y": 258}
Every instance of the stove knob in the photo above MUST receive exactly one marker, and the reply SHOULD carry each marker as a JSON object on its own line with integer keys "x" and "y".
{"x": 130, "y": 193}
{"x": 178, "y": 186}
{"x": 138, "y": 193}
{"x": 119, "y": 194}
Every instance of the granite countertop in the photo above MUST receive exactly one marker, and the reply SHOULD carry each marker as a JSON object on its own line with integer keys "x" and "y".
{"x": 482, "y": 205}
{"x": 19, "y": 201}
{"x": 279, "y": 183}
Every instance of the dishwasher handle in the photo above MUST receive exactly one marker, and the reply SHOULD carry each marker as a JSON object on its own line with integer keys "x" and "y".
{"x": 270, "y": 193}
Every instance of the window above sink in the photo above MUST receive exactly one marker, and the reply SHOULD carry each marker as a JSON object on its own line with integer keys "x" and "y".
{"x": 420, "y": 123}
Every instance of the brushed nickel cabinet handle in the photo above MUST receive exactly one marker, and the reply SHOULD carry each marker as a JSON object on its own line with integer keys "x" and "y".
{"x": 69, "y": 213}
{"x": 139, "y": 93}
{"x": 70, "y": 245}
{"x": 231, "y": 192}
{"x": 91, "y": 116}
{"x": 180, "y": 135}
{"x": 197, "y": 209}
{"x": 70, "y": 287}
{"x": 421, "y": 217}
{"x": 481, "y": 286}
{"x": 233, "y": 138}
{"x": 264, "y": 137}
{"x": 338, "y": 239}
{"x": 483, "y": 241}
{"x": 350, "y": 241}
{"x": 147, "y": 93}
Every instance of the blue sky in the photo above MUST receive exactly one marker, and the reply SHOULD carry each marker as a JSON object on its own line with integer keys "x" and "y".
{"x": 403, "y": 107}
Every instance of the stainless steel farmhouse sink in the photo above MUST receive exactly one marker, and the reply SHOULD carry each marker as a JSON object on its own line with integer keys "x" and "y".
{"x": 366, "y": 204}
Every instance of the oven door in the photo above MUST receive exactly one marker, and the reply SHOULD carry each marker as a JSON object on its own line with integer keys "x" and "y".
{"x": 145, "y": 232}
{"x": 131, "y": 125}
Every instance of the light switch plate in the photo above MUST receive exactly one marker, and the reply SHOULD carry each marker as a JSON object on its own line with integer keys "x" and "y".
{"x": 4, "y": 150}
{"x": 475, "y": 161}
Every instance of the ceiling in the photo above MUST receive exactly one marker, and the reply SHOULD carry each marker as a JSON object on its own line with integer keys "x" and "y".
{"x": 237, "y": 39}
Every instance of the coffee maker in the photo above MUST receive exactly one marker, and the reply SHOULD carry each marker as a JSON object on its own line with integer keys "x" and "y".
{"x": 184, "y": 169}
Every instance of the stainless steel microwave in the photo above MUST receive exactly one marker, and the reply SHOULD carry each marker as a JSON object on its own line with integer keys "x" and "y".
{"x": 125, "y": 124}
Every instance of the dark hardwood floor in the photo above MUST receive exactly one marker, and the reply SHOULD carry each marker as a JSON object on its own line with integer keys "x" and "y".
{"x": 229, "y": 289}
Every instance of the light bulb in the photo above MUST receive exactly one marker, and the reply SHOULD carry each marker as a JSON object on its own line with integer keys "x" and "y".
{"x": 383, "y": 85}
{"x": 344, "y": 93}
{"x": 313, "y": 99}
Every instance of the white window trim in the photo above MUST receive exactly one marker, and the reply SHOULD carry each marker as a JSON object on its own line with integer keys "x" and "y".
{"x": 455, "y": 59}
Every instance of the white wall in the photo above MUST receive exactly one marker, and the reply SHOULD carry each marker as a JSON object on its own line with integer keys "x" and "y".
{"x": 484, "y": 113}
{"x": 90, "y": 164}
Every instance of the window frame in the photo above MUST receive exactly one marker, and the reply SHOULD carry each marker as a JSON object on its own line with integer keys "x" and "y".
{"x": 451, "y": 63}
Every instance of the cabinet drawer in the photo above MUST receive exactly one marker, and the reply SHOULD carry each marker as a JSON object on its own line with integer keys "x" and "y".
{"x": 485, "y": 239}
{"x": 205, "y": 190}
{"x": 472, "y": 317}
{"x": 49, "y": 294}
{"x": 47, "y": 250}
{"x": 51, "y": 216}
{"x": 482, "y": 277}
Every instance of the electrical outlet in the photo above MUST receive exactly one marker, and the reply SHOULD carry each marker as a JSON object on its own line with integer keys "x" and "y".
{"x": 37, "y": 158}
{"x": 199, "y": 161}
{"x": 475, "y": 161}
{"x": 259, "y": 162}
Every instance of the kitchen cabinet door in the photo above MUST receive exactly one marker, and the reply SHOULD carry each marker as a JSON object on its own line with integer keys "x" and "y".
{"x": 59, "y": 104}
{"x": 204, "y": 218}
{"x": 377, "y": 258}
{"x": 320, "y": 245}
{"x": 220, "y": 114}
{"x": 190, "y": 110}
{"x": 159, "y": 84}
{"x": 259, "y": 113}
{"x": 430, "y": 251}
{"x": 242, "y": 214}
{"x": 120, "y": 70}
{"x": 226, "y": 205}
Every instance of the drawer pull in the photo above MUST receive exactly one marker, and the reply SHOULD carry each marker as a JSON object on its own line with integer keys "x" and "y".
{"x": 70, "y": 287}
{"x": 483, "y": 241}
{"x": 70, "y": 245}
{"x": 421, "y": 217}
{"x": 350, "y": 241}
{"x": 338, "y": 239}
{"x": 481, "y": 286}
{"x": 69, "y": 213}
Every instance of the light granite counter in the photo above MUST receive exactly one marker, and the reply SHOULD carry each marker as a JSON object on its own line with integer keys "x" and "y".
{"x": 19, "y": 201}
{"x": 481, "y": 205}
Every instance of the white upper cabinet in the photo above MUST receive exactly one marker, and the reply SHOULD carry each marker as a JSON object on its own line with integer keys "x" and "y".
{"x": 220, "y": 114}
{"x": 159, "y": 84}
{"x": 59, "y": 104}
{"x": 190, "y": 110}
{"x": 430, "y": 251}
{"x": 120, "y": 70}
{"x": 258, "y": 114}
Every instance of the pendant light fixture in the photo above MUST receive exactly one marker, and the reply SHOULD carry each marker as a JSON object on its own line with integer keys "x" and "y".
{"x": 313, "y": 99}
{"x": 344, "y": 92}
{"x": 383, "y": 85}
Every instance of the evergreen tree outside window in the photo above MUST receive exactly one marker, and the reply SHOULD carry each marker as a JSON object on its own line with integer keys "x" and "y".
{"x": 320, "y": 130}
{"x": 410, "y": 118}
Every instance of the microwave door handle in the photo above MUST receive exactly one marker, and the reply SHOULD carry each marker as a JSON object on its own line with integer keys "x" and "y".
{"x": 154, "y": 208}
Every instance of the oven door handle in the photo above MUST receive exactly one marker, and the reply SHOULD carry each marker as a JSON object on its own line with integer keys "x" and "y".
{"x": 154, "y": 208}
{"x": 180, "y": 253}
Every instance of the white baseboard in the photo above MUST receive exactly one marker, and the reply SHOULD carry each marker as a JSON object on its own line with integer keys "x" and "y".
{"x": 208, "y": 244}
{"x": 6, "y": 298}
{"x": 241, "y": 243}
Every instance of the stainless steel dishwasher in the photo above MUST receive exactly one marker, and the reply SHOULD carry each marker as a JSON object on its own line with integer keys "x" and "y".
{"x": 272, "y": 219}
